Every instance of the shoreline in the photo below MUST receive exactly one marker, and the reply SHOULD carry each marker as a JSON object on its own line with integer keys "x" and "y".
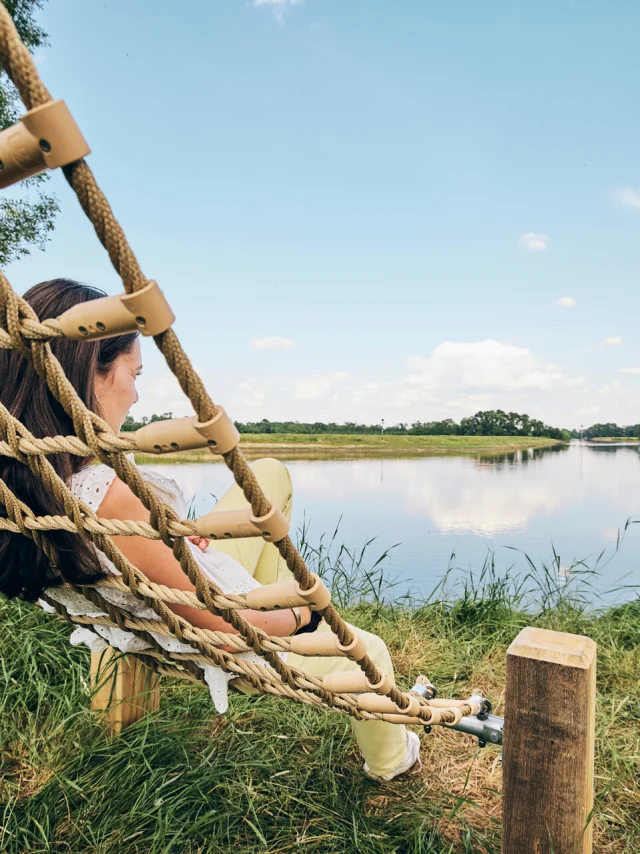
{"x": 613, "y": 439}
{"x": 293, "y": 446}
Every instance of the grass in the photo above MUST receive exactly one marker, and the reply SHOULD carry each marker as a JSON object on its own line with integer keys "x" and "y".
{"x": 273, "y": 777}
{"x": 292, "y": 445}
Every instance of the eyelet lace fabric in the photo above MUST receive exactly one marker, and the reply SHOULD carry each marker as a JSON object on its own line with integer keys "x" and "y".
{"x": 90, "y": 485}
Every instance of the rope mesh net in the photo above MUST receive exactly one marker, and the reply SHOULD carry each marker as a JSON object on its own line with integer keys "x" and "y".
{"x": 22, "y": 330}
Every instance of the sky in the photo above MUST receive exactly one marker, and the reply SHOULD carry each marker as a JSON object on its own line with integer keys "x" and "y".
{"x": 366, "y": 209}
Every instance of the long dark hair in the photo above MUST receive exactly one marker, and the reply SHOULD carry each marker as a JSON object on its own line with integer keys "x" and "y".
{"x": 24, "y": 568}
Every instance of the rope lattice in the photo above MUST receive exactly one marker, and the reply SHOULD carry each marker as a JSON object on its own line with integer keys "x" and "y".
{"x": 21, "y": 329}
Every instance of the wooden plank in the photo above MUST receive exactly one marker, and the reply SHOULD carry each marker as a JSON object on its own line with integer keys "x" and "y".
{"x": 124, "y": 689}
{"x": 549, "y": 739}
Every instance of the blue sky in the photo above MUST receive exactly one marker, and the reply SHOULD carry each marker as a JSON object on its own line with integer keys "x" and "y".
{"x": 365, "y": 209}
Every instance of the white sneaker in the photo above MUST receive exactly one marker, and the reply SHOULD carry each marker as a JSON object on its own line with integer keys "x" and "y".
{"x": 412, "y": 757}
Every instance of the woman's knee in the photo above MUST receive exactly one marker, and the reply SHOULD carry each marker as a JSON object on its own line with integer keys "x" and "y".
{"x": 270, "y": 470}
{"x": 377, "y": 651}
{"x": 274, "y": 478}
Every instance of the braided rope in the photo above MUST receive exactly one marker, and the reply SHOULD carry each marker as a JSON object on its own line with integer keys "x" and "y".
{"x": 20, "y": 329}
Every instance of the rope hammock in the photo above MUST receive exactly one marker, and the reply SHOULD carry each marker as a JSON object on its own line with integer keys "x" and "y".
{"x": 47, "y": 137}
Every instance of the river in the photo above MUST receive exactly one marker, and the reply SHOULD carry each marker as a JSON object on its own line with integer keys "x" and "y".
{"x": 557, "y": 506}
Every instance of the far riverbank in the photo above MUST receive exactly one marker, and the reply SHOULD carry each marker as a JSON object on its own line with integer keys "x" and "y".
{"x": 328, "y": 446}
{"x": 614, "y": 439}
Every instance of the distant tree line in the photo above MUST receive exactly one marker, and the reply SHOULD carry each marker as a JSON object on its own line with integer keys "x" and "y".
{"x": 493, "y": 422}
{"x": 608, "y": 431}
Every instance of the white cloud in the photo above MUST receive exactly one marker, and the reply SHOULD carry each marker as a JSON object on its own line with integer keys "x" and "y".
{"x": 531, "y": 240}
{"x": 273, "y": 342}
{"x": 161, "y": 393}
{"x": 482, "y": 366}
{"x": 279, "y": 7}
{"x": 627, "y": 197}
{"x": 311, "y": 388}
{"x": 614, "y": 341}
{"x": 452, "y": 380}
{"x": 566, "y": 302}
{"x": 250, "y": 395}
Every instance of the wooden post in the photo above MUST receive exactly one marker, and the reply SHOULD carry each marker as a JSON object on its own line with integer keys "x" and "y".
{"x": 549, "y": 737}
{"x": 125, "y": 689}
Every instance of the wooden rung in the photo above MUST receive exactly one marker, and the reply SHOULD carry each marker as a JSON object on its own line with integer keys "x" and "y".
{"x": 124, "y": 688}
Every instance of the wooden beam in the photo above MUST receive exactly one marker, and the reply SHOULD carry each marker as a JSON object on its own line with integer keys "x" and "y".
{"x": 549, "y": 739}
{"x": 124, "y": 689}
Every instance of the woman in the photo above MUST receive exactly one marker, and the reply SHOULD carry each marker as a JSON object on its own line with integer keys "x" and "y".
{"x": 104, "y": 374}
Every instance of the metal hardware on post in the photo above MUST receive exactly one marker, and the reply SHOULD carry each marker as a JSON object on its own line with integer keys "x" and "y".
{"x": 425, "y": 690}
{"x": 487, "y": 730}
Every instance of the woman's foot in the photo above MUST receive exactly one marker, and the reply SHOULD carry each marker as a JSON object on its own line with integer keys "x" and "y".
{"x": 412, "y": 758}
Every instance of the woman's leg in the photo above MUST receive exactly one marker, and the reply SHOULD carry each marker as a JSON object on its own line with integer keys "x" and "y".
{"x": 383, "y": 745}
{"x": 260, "y": 559}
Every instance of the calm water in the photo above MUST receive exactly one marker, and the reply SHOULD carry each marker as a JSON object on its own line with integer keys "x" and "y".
{"x": 576, "y": 499}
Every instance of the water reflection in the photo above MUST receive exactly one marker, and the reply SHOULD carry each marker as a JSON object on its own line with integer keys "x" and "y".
{"x": 576, "y": 497}
{"x": 613, "y": 447}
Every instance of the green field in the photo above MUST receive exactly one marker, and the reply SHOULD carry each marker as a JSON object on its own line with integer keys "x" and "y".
{"x": 270, "y": 776}
{"x": 291, "y": 445}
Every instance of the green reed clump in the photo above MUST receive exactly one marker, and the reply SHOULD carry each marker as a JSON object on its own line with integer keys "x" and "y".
{"x": 271, "y": 776}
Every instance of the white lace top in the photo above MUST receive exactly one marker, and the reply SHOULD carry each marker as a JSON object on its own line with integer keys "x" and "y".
{"x": 90, "y": 485}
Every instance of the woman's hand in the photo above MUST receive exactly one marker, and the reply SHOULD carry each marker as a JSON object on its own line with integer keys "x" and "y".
{"x": 201, "y": 542}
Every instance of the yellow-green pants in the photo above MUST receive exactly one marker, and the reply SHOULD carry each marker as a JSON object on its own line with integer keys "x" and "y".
{"x": 383, "y": 745}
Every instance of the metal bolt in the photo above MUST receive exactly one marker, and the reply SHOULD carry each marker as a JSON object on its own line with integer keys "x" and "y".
{"x": 485, "y": 711}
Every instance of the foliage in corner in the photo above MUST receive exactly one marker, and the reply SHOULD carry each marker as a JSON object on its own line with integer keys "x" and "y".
{"x": 27, "y": 218}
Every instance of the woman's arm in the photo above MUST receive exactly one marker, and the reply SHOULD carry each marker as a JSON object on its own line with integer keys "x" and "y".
{"x": 159, "y": 565}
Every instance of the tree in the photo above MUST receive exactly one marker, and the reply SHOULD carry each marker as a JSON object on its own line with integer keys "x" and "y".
{"x": 28, "y": 213}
